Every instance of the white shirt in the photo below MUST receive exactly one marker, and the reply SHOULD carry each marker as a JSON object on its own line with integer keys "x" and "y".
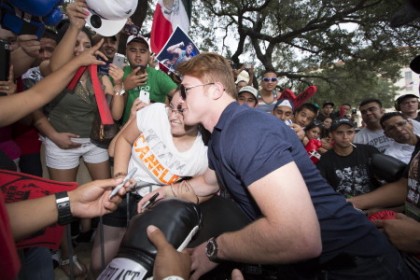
{"x": 155, "y": 155}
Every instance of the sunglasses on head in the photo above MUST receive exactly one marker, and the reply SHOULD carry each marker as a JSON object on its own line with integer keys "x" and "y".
{"x": 183, "y": 90}
{"x": 270, "y": 80}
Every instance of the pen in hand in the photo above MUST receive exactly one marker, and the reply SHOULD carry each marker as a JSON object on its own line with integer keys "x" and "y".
{"x": 150, "y": 201}
{"x": 126, "y": 179}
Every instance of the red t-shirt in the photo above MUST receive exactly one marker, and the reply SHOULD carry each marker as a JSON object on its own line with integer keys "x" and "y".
{"x": 9, "y": 264}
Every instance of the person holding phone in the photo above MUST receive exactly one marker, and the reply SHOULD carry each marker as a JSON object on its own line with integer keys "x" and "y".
{"x": 141, "y": 79}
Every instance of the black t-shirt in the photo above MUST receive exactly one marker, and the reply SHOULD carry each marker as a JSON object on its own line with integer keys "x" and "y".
{"x": 349, "y": 175}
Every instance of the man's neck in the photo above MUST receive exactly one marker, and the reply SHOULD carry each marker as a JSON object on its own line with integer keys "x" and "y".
{"x": 341, "y": 151}
{"x": 374, "y": 127}
{"x": 411, "y": 115}
{"x": 264, "y": 92}
{"x": 211, "y": 119}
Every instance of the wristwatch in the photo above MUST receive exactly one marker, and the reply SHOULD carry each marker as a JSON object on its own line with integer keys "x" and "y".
{"x": 63, "y": 206}
{"x": 211, "y": 249}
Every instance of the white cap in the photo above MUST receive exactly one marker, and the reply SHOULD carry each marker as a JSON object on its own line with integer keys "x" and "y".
{"x": 243, "y": 76}
{"x": 108, "y": 17}
{"x": 284, "y": 102}
{"x": 249, "y": 89}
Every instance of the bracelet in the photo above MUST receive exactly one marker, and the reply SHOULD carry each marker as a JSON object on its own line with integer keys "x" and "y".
{"x": 172, "y": 189}
{"x": 63, "y": 207}
{"x": 191, "y": 188}
{"x": 120, "y": 174}
{"x": 121, "y": 89}
{"x": 173, "y": 277}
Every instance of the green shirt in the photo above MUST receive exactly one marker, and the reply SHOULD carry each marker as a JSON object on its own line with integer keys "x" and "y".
{"x": 158, "y": 85}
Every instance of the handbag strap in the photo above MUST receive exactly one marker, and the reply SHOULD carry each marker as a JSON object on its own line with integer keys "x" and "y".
{"x": 101, "y": 102}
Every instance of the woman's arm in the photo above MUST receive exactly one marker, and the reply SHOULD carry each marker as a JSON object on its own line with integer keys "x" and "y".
{"x": 123, "y": 146}
{"x": 119, "y": 98}
{"x": 64, "y": 51}
{"x": 15, "y": 107}
{"x": 62, "y": 140}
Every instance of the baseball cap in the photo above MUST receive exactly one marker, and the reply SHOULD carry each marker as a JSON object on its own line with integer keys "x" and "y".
{"x": 139, "y": 39}
{"x": 402, "y": 97}
{"x": 108, "y": 17}
{"x": 249, "y": 89}
{"x": 284, "y": 102}
{"x": 339, "y": 122}
{"x": 243, "y": 76}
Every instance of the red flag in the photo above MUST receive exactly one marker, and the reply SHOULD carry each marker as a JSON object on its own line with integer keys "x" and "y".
{"x": 168, "y": 15}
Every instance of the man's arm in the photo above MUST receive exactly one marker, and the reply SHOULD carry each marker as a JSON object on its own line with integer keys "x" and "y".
{"x": 87, "y": 201}
{"x": 287, "y": 232}
{"x": 175, "y": 49}
{"x": 388, "y": 195}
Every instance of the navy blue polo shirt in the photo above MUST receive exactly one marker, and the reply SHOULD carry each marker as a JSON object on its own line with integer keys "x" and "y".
{"x": 247, "y": 144}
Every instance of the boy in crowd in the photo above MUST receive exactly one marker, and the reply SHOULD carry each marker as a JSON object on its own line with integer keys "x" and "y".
{"x": 142, "y": 81}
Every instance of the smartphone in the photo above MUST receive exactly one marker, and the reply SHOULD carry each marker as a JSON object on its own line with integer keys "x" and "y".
{"x": 119, "y": 60}
{"x": 4, "y": 60}
{"x": 142, "y": 69}
{"x": 144, "y": 96}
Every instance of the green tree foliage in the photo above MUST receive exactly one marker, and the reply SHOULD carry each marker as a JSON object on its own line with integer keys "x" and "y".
{"x": 298, "y": 37}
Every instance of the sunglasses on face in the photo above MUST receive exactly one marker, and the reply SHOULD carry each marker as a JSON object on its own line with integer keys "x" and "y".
{"x": 183, "y": 90}
{"x": 176, "y": 111}
{"x": 267, "y": 80}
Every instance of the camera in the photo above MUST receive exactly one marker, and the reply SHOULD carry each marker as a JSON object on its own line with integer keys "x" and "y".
{"x": 131, "y": 29}
{"x": 4, "y": 60}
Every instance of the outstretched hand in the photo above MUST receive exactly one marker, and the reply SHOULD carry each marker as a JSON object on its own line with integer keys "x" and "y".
{"x": 92, "y": 199}
{"x": 168, "y": 261}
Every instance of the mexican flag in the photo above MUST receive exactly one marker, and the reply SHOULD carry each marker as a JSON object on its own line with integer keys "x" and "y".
{"x": 168, "y": 15}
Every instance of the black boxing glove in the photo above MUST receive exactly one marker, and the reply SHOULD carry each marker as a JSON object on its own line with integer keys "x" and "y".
{"x": 387, "y": 168}
{"x": 177, "y": 219}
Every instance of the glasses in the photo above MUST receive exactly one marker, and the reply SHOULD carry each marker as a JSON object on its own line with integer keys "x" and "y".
{"x": 267, "y": 80}
{"x": 184, "y": 89}
{"x": 398, "y": 125}
{"x": 176, "y": 111}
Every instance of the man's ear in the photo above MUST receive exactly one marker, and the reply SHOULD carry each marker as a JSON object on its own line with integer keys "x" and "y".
{"x": 216, "y": 90}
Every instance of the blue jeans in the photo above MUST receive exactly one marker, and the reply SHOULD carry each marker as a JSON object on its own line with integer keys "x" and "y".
{"x": 386, "y": 267}
{"x": 36, "y": 264}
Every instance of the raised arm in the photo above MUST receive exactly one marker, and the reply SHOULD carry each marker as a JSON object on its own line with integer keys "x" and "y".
{"x": 175, "y": 49}
{"x": 64, "y": 52}
{"x": 15, "y": 107}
